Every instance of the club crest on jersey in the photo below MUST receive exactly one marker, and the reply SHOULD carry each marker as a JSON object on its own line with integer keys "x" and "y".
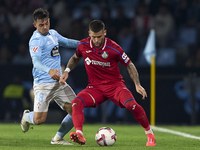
{"x": 104, "y": 55}
{"x": 35, "y": 49}
{"x": 55, "y": 52}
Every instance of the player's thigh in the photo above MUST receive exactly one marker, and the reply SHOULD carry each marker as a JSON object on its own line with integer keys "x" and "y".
{"x": 43, "y": 94}
{"x": 91, "y": 97}
{"x": 121, "y": 96}
{"x": 64, "y": 96}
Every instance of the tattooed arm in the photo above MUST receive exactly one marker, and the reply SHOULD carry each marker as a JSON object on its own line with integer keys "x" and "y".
{"x": 72, "y": 63}
{"x": 133, "y": 73}
{"x": 135, "y": 77}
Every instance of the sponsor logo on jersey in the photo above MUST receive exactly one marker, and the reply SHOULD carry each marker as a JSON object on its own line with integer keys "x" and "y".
{"x": 35, "y": 49}
{"x": 88, "y": 61}
{"x": 95, "y": 62}
{"x": 55, "y": 52}
{"x": 88, "y": 51}
{"x": 104, "y": 55}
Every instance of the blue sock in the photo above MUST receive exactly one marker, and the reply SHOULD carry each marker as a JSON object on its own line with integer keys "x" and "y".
{"x": 66, "y": 126}
{"x": 29, "y": 117}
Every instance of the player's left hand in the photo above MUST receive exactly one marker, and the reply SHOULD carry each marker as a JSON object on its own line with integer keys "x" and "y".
{"x": 63, "y": 78}
{"x": 141, "y": 90}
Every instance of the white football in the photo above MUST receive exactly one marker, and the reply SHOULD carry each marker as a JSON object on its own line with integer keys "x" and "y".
{"x": 105, "y": 136}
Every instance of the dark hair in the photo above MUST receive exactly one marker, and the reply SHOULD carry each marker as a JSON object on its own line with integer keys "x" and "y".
{"x": 40, "y": 13}
{"x": 96, "y": 26}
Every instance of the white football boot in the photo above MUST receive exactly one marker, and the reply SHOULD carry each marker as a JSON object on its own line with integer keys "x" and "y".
{"x": 24, "y": 124}
{"x": 60, "y": 142}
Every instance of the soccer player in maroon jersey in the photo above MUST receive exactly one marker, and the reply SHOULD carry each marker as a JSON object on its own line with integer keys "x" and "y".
{"x": 101, "y": 56}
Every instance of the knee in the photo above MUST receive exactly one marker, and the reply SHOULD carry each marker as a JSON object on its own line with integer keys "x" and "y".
{"x": 77, "y": 102}
{"x": 135, "y": 108}
{"x": 131, "y": 105}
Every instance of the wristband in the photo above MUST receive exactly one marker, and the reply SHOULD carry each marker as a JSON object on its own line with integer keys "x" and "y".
{"x": 68, "y": 70}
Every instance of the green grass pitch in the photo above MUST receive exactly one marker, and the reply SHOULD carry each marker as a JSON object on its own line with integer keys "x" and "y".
{"x": 129, "y": 137}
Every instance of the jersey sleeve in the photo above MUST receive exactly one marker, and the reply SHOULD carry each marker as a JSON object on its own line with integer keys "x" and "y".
{"x": 38, "y": 64}
{"x": 65, "y": 42}
{"x": 35, "y": 47}
{"x": 35, "y": 52}
{"x": 78, "y": 51}
{"x": 123, "y": 57}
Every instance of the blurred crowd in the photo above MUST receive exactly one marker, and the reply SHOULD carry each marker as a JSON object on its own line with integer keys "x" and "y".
{"x": 128, "y": 22}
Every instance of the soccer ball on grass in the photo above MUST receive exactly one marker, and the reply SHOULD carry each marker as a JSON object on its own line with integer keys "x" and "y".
{"x": 105, "y": 136}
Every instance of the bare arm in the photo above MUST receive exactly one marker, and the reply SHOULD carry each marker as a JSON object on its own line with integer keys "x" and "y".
{"x": 72, "y": 63}
{"x": 135, "y": 77}
{"x": 133, "y": 73}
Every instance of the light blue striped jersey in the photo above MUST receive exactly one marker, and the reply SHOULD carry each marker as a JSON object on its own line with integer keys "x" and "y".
{"x": 44, "y": 51}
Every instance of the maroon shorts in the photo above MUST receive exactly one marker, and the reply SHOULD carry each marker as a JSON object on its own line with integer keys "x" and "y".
{"x": 94, "y": 95}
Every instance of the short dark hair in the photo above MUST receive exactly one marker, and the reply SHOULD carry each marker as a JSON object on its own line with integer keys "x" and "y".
{"x": 40, "y": 13}
{"x": 96, "y": 26}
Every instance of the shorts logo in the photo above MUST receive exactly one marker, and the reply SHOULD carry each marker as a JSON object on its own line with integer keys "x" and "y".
{"x": 88, "y": 51}
{"x": 104, "y": 55}
{"x": 35, "y": 49}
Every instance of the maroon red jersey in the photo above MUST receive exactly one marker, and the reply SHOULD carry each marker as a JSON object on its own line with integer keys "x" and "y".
{"x": 102, "y": 63}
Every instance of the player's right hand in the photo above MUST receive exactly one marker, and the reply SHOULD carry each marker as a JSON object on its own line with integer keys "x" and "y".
{"x": 63, "y": 78}
{"x": 54, "y": 74}
{"x": 141, "y": 90}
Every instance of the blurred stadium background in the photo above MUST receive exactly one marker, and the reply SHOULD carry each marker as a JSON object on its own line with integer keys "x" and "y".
{"x": 128, "y": 22}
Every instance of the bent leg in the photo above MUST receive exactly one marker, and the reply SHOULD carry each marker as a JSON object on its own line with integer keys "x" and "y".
{"x": 64, "y": 98}
{"x": 141, "y": 117}
{"x": 86, "y": 98}
{"x": 36, "y": 118}
{"x": 138, "y": 113}
{"x": 66, "y": 124}
{"x": 77, "y": 114}
{"x": 128, "y": 101}
{"x": 39, "y": 117}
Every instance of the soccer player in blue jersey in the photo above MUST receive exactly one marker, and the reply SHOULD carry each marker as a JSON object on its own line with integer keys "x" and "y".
{"x": 44, "y": 50}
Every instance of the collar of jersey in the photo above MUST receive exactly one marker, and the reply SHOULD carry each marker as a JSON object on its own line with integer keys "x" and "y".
{"x": 42, "y": 34}
{"x": 103, "y": 46}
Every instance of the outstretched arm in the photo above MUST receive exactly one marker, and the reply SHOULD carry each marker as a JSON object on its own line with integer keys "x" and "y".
{"x": 135, "y": 77}
{"x": 72, "y": 63}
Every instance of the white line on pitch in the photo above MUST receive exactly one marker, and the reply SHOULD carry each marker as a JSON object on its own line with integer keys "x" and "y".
{"x": 175, "y": 132}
